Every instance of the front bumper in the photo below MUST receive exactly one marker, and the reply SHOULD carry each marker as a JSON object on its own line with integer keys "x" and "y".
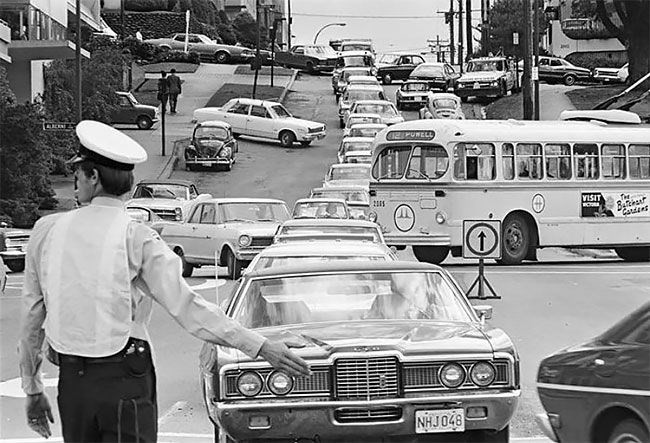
{"x": 477, "y": 92}
{"x": 410, "y": 100}
{"x": 294, "y": 419}
{"x": 248, "y": 253}
{"x": 418, "y": 240}
{"x": 208, "y": 161}
{"x": 310, "y": 136}
{"x": 14, "y": 255}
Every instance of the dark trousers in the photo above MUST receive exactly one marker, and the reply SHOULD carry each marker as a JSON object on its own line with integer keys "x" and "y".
{"x": 173, "y": 99}
{"x": 163, "y": 101}
{"x": 108, "y": 402}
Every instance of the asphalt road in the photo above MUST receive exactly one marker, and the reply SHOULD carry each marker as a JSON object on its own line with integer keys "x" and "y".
{"x": 561, "y": 300}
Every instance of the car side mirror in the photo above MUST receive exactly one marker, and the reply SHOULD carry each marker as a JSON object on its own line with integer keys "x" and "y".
{"x": 484, "y": 312}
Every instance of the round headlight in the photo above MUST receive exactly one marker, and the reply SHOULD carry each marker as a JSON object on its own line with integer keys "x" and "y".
{"x": 178, "y": 214}
{"x": 372, "y": 216}
{"x": 482, "y": 374}
{"x": 244, "y": 240}
{"x": 452, "y": 375}
{"x": 249, "y": 384}
{"x": 279, "y": 383}
{"x": 440, "y": 218}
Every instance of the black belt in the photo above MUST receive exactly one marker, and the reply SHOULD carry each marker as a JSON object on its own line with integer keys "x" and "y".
{"x": 131, "y": 345}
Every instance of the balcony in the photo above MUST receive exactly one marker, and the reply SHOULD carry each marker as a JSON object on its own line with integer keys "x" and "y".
{"x": 5, "y": 40}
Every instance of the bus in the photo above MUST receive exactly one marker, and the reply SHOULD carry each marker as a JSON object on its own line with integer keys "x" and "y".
{"x": 571, "y": 184}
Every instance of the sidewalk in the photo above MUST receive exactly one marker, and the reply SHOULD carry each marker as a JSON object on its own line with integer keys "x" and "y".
{"x": 553, "y": 100}
{"x": 198, "y": 88}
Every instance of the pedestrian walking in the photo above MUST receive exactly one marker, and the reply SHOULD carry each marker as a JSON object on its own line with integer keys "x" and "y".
{"x": 92, "y": 275}
{"x": 174, "y": 88}
{"x": 163, "y": 91}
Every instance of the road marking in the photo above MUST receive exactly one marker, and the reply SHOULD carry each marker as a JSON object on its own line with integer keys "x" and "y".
{"x": 12, "y": 388}
{"x": 174, "y": 409}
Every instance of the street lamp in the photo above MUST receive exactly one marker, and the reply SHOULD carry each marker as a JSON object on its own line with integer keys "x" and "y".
{"x": 326, "y": 26}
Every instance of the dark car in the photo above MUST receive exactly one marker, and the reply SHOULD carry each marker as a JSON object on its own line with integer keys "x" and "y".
{"x": 600, "y": 390}
{"x": 395, "y": 351}
{"x": 438, "y": 75}
{"x": 213, "y": 144}
{"x": 558, "y": 70}
{"x": 131, "y": 112}
{"x": 397, "y": 66}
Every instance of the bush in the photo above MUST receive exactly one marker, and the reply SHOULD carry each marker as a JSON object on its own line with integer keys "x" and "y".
{"x": 23, "y": 213}
{"x": 146, "y": 5}
{"x": 141, "y": 50}
{"x": 178, "y": 57}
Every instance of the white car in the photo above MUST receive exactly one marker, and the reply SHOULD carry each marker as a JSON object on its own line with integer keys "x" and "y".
{"x": 320, "y": 208}
{"x": 356, "y": 197}
{"x": 328, "y": 229}
{"x": 170, "y": 199}
{"x": 354, "y": 144}
{"x": 442, "y": 105}
{"x": 357, "y": 157}
{"x": 358, "y": 92}
{"x": 369, "y": 130}
{"x": 265, "y": 119}
{"x": 360, "y": 118}
{"x": 612, "y": 75}
{"x": 363, "y": 80}
{"x": 317, "y": 251}
{"x": 346, "y": 73}
{"x": 347, "y": 174}
{"x": 386, "y": 110}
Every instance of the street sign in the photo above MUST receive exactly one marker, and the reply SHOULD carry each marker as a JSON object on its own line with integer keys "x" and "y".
{"x": 59, "y": 126}
{"x": 515, "y": 38}
{"x": 482, "y": 239}
{"x": 535, "y": 73}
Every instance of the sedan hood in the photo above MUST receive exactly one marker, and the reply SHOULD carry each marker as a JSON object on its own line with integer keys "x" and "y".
{"x": 409, "y": 337}
{"x": 255, "y": 229}
{"x": 485, "y": 76}
{"x": 306, "y": 123}
{"x": 155, "y": 202}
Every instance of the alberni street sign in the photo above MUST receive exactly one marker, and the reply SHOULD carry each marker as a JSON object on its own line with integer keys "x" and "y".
{"x": 59, "y": 126}
{"x": 482, "y": 239}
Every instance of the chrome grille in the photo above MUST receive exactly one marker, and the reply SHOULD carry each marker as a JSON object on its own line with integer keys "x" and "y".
{"x": 350, "y": 415}
{"x": 366, "y": 378}
{"x": 165, "y": 214}
{"x": 418, "y": 376}
{"x": 316, "y": 384}
{"x": 261, "y": 241}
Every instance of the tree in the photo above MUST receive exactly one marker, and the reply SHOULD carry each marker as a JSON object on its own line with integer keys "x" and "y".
{"x": 200, "y": 10}
{"x": 507, "y": 17}
{"x": 629, "y": 21}
{"x": 246, "y": 31}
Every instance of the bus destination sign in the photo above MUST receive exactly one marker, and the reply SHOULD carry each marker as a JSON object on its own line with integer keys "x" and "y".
{"x": 417, "y": 135}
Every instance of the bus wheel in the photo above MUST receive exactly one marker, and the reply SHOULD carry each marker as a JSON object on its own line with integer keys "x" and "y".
{"x": 515, "y": 240}
{"x": 431, "y": 254}
{"x": 634, "y": 254}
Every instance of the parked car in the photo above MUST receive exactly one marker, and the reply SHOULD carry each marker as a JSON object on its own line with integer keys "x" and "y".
{"x": 213, "y": 144}
{"x": 359, "y": 118}
{"x": 438, "y": 75}
{"x": 369, "y": 130}
{"x": 13, "y": 246}
{"x": 386, "y": 110}
{"x": 234, "y": 230}
{"x": 131, "y": 112}
{"x": 598, "y": 390}
{"x": 395, "y": 350}
{"x": 312, "y": 58}
{"x": 169, "y": 199}
{"x": 397, "y": 66}
{"x": 342, "y": 174}
{"x": 328, "y": 229}
{"x": 353, "y": 59}
{"x": 266, "y": 119}
{"x": 305, "y": 251}
{"x": 358, "y": 92}
{"x": 442, "y": 105}
{"x": 486, "y": 76}
{"x": 320, "y": 208}
{"x": 558, "y": 70}
{"x": 612, "y": 75}
{"x": 412, "y": 93}
{"x": 208, "y": 49}
{"x": 354, "y": 144}
{"x": 345, "y": 75}
{"x": 356, "y": 197}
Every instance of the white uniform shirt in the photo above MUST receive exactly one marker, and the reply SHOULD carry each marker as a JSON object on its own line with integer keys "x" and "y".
{"x": 154, "y": 273}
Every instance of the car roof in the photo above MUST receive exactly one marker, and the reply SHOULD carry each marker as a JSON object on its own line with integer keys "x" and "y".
{"x": 320, "y": 200}
{"x": 369, "y": 125}
{"x": 362, "y": 77}
{"x": 374, "y": 102}
{"x": 495, "y": 58}
{"x": 345, "y": 223}
{"x": 253, "y": 101}
{"x": 241, "y": 200}
{"x": 345, "y": 267}
{"x": 355, "y": 53}
{"x": 365, "y": 114}
{"x": 214, "y": 123}
{"x": 357, "y": 139}
{"x": 348, "y": 165}
{"x": 341, "y": 189}
{"x": 320, "y": 246}
{"x": 439, "y": 95}
{"x": 165, "y": 181}
{"x": 353, "y": 68}
{"x": 364, "y": 87}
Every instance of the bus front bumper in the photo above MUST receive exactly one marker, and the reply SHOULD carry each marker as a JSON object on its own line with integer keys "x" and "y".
{"x": 418, "y": 240}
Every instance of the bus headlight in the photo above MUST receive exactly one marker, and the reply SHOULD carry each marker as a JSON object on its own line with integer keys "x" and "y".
{"x": 482, "y": 374}
{"x": 279, "y": 383}
{"x": 244, "y": 240}
{"x": 249, "y": 384}
{"x": 441, "y": 217}
{"x": 372, "y": 216}
{"x": 452, "y": 375}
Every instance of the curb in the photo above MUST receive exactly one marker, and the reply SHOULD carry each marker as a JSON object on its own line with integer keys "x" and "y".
{"x": 608, "y": 254}
{"x": 169, "y": 167}
{"x": 289, "y": 85}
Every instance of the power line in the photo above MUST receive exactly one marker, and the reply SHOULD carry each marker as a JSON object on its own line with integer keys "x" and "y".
{"x": 397, "y": 17}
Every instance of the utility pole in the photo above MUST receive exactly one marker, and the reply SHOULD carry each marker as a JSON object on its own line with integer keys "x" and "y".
{"x": 485, "y": 26}
{"x": 460, "y": 34}
{"x": 536, "y": 52}
{"x": 77, "y": 53}
{"x": 468, "y": 27}
{"x": 257, "y": 52}
{"x": 289, "y": 21}
{"x": 527, "y": 77}
{"x": 452, "y": 39}
{"x": 122, "y": 30}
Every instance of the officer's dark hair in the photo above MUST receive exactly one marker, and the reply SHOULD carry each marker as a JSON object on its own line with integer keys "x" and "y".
{"x": 114, "y": 181}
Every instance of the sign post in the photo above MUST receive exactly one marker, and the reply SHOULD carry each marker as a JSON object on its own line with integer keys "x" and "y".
{"x": 187, "y": 30}
{"x": 482, "y": 239}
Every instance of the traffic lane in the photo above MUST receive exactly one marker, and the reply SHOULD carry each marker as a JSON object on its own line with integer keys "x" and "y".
{"x": 473, "y": 110}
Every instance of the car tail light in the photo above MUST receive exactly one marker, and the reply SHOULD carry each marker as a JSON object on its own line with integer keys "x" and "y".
{"x": 482, "y": 374}
{"x": 249, "y": 384}
{"x": 452, "y": 375}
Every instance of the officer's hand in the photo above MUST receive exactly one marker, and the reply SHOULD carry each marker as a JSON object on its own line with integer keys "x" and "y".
{"x": 38, "y": 413}
{"x": 283, "y": 359}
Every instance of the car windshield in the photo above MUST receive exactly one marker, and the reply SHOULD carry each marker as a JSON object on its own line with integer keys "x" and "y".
{"x": 381, "y": 109}
{"x": 280, "y": 111}
{"x": 254, "y": 211}
{"x": 320, "y": 210}
{"x": 415, "y": 87}
{"x": 484, "y": 65}
{"x": 364, "y": 132}
{"x": 351, "y": 196}
{"x": 389, "y": 59}
{"x": 445, "y": 103}
{"x": 428, "y": 70}
{"x": 355, "y": 173}
{"x": 356, "y": 47}
{"x": 270, "y": 262}
{"x": 362, "y": 94}
{"x": 204, "y": 133}
{"x": 356, "y": 146}
{"x": 356, "y": 60}
{"x": 161, "y": 190}
{"x": 350, "y": 296}
{"x": 330, "y": 231}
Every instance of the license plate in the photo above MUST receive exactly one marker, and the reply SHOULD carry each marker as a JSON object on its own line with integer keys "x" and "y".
{"x": 207, "y": 163}
{"x": 440, "y": 420}
{"x": 477, "y": 85}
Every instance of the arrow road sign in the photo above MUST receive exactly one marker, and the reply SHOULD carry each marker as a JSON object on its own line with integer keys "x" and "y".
{"x": 482, "y": 239}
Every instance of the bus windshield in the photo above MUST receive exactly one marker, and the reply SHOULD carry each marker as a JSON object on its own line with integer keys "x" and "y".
{"x": 411, "y": 162}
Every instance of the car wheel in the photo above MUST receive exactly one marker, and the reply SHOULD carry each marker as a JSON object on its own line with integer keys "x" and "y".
{"x": 310, "y": 67}
{"x": 234, "y": 265}
{"x": 516, "y": 240}
{"x": 341, "y": 123}
{"x": 305, "y": 143}
{"x": 229, "y": 165}
{"x": 387, "y": 79}
{"x": 503, "y": 90}
{"x": 629, "y": 431}
{"x": 287, "y": 138}
{"x": 398, "y": 104}
{"x": 431, "y": 254}
{"x": 144, "y": 122}
{"x": 464, "y": 99}
{"x": 187, "y": 267}
{"x": 221, "y": 57}
{"x": 16, "y": 265}
{"x": 570, "y": 80}
{"x": 634, "y": 254}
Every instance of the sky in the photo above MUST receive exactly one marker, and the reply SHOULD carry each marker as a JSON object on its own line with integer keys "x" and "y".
{"x": 366, "y": 19}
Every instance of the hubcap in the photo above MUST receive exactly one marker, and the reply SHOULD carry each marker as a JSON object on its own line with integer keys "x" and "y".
{"x": 514, "y": 237}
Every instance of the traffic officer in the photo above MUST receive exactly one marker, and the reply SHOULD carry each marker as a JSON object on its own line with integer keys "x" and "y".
{"x": 91, "y": 277}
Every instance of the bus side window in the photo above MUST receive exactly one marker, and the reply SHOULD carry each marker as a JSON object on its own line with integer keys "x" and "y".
{"x": 558, "y": 161}
{"x": 529, "y": 161}
{"x": 474, "y": 161}
{"x": 585, "y": 157}
{"x": 612, "y": 161}
{"x": 639, "y": 161}
{"x": 508, "y": 161}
